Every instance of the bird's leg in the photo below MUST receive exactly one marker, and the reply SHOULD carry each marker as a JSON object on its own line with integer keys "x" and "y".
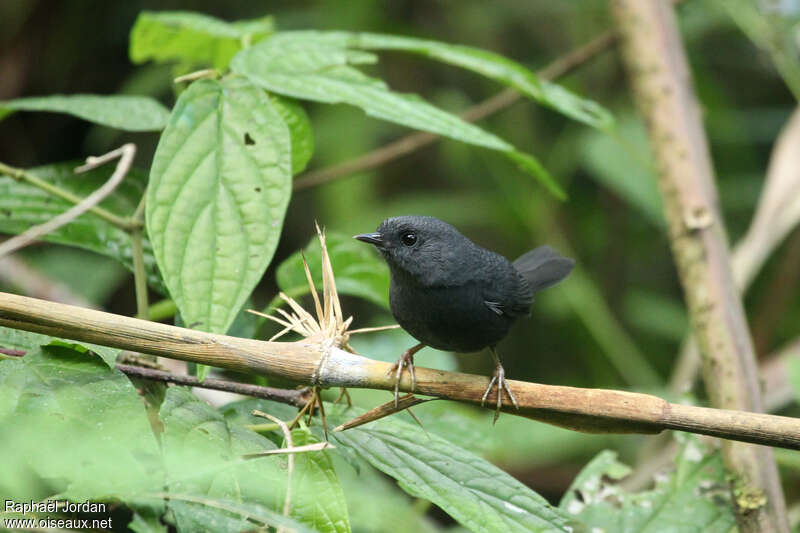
{"x": 405, "y": 360}
{"x": 498, "y": 378}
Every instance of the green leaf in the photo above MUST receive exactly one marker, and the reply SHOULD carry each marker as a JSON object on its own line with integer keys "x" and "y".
{"x": 318, "y": 499}
{"x": 25, "y": 341}
{"x": 621, "y": 163}
{"x": 22, "y": 205}
{"x": 794, "y": 376}
{"x": 389, "y": 510}
{"x": 225, "y": 515}
{"x": 605, "y": 464}
{"x": 147, "y": 521}
{"x": 694, "y": 498}
{"x": 301, "y": 66}
{"x": 203, "y": 457}
{"x": 656, "y": 313}
{"x": 219, "y": 188}
{"x": 474, "y": 492}
{"x": 77, "y": 423}
{"x": 296, "y": 118}
{"x": 493, "y": 66}
{"x": 192, "y": 37}
{"x": 131, "y": 113}
{"x": 358, "y": 270}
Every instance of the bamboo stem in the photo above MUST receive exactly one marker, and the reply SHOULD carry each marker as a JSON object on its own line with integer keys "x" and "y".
{"x": 315, "y": 361}
{"x": 660, "y": 79}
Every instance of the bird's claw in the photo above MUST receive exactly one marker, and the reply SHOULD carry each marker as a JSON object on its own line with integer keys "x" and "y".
{"x": 405, "y": 360}
{"x": 499, "y": 379}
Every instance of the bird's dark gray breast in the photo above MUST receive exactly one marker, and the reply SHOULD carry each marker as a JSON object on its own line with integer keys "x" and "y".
{"x": 455, "y": 318}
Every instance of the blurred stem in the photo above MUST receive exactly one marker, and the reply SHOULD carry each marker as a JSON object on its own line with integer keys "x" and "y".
{"x": 139, "y": 270}
{"x": 765, "y": 31}
{"x": 23, "y": 175}
{"x": 139, "y": 275}
{"x": 162, "y": 310}
{"x": 659, "y": 73}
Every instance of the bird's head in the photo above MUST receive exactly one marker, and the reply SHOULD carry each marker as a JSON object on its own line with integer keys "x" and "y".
{"x": 424, "y": 249}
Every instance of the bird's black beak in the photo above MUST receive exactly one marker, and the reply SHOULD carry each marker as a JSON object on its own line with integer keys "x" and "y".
{"x": 372, "y": 238}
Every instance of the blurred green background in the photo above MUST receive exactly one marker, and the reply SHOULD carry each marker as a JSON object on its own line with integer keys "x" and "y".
{"x": 618, "y": 322}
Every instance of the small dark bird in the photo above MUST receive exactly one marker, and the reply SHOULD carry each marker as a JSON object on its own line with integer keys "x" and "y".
{"x": 451, "y": 294}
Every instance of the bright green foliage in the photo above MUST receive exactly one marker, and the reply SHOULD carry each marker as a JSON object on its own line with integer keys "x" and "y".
{"x": 300, "y": 130}
{"x": 192, "y": 38}
{"x": 131, "y": 113}
{"x": 358, "y": 270}
{"x": 621, "y": 163}
{"x": 300, "y": 66}
{"x": 794, "y": 376}
{"x": 473, "y": 491}
{"x": 22, "y": 205}
{"x": 318, "y": 497}
{"x": 693, "y": 498}
{"x": 202, "y": 456}
{"x": 219, "y": 188}
{"x": 76, "y": 421}
{"x": 491, "y": 65}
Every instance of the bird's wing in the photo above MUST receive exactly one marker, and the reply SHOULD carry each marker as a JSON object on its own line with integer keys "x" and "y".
{"x": 494, "y": 306}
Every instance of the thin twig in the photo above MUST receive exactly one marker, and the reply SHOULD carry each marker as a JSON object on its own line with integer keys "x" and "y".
{"x": 125, "y": 154}
{"x": 383, "y": 410}
{"x": 287, "y": 434}
{"x": 23, "y": 175}
{"x": 293, "y": 397}
{"x": 413, "y": 142}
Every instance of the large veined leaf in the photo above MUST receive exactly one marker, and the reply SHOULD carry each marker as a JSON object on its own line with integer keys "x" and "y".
{"x": 208, "y": 481}
{"x": 192, "y": 37}
{"x": 22, "y": 205}
{"x": 357, "y": 269}
{"x": 318, "y": 497}
{"x": 312, "y": 69}
{"x": 219, "y": 188}
{"x": 300, "y": 130}
{"x": 76, "y": 422}
{"x": 132, "y": 113}
{"x": 694, "y": 498}
{"x": 476, "y": 493}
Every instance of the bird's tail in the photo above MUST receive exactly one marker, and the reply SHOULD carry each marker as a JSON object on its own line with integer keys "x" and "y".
{"x": 543, "y": 267}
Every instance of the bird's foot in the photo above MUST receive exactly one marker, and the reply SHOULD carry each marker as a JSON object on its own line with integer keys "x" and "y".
{"x": 343, "y": 394}
{"x": 405, "y": 360}
{"x": 499, "y": 380}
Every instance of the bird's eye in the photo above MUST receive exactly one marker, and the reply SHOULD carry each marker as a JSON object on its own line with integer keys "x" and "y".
{"x": 408, "y": 238}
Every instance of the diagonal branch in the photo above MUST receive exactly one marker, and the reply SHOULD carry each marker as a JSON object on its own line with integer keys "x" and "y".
{"x": 660, "y": 79}
{"x": 125, "y": 154}
{"x": 317, "y": 361}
